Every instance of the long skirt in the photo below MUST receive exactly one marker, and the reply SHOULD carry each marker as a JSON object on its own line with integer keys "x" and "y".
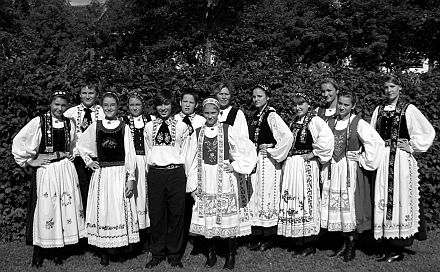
{"x": 299, "y": 214}
{"x": 265, "y": 192}
{"x": 404, "y": 221}
{"x": 338, "y": 211}
{"x": 59, "y": 215}
{"x": 221, "y": 214}
{"x": 141, "y": 193}
{"x": 111, "y": 216}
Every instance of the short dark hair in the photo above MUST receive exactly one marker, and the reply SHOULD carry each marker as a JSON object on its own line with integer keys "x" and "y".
{"x": 166, "y": 97}
{"x": 393, "y": 79}
{"x": 91, "y": 84}
{"x": 189, "y": 91}
{"x": 350, "y": 95}
{"x": 112, "y": 95}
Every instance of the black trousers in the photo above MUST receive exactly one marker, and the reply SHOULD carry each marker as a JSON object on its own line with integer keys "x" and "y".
{"x": 166, "y": 200}
{"x": 84, "y": 176}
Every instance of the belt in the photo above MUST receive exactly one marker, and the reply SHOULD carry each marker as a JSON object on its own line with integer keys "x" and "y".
{"x": 166, "y": 167}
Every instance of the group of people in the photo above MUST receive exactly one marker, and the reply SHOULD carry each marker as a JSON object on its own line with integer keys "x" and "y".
{"x": 119, "y": 181}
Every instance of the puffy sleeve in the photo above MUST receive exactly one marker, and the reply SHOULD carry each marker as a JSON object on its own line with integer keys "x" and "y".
{"x": 374, "y": 117}
{"x": 26, "y": 143}
{"x": 191, "y": 165}
{"x": 282, "y": 135}
{"x": 240, "y": 124}
{"x": 374, "y": 146}
{"x": 323, "y": 139}
{"x": 87, "y": 144}
{"x": 421, "y": 132}
{"x": 242, "y": 151}
{"x": 130, "y": 154}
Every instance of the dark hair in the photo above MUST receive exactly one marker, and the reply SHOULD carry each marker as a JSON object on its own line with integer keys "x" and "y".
{"x": 264, "y": 88}
{"x": 166, "y": 97}
{"x": 112, "y": 95}
{"x": 350, "y": 95}
{"x": 225, "y": 84}
{"x": 91, "y": 85}
{"x": 329, "y": 80}
{"x": 299, "y": 99}
{"x": 136, "y": 93}
{"x": 393, "y": 79}
{"x": 189, "y": 91}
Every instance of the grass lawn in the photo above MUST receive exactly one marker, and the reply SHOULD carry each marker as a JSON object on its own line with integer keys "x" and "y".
{"x": 17, "y": 257}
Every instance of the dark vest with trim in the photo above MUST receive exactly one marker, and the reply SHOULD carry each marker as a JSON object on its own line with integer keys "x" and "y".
{"x": 58, "y": 137}
{"x": 110, "y": 145}
{"x": 354, "y": 143}
{"x": 265, "y": 135}
{"x": 138, "y": 135}
{"x": 384, "y": 127}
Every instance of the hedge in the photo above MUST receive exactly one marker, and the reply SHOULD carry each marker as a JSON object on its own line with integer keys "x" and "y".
{"x": 25, "y": 90}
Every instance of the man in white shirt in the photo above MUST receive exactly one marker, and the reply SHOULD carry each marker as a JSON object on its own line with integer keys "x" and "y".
{"x": 167, "y": 149}
{"x": 83, "y": 115}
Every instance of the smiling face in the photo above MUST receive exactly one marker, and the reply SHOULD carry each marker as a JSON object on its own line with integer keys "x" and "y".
{"x": 110, "y": 107}
{"x": 135, "y": 106}
{"x": 210, "y": 112}
{"x": 88, "y": 96}
{"x": 188, "y": 104}
{"x": 259, "y": 97}
{"x": 301, "y": 108}
{"x": 345, "y": 106}
{"x": 329, "y": 93}
{"x": 224, "y": 97}
{"x": 57, "y": 107}
{"x": 164, "y": 110}
{"x": 392, "y": 91}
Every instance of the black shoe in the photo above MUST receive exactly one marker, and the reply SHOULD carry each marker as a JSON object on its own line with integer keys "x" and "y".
{"x": 211, "y": 257}
{"x": 175, "y": 262}
{"x": 105, "y": 260}
{"x": 230, "y": 261}
{"x": 350, "y": 253}
{"x": 382, "y": 257}
{"x": 395, "y": 257}
{"x": 256, "y": 246}
{"x": 37, "y": 258}
{"x": 341, "y": 251}
{"x": 308, "y": 251}
{"x": 267, "y": 245}
{"x": 155, "y": 261}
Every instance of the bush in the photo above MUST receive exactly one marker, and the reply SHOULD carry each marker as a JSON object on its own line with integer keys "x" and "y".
{"x": 26, "y": 87}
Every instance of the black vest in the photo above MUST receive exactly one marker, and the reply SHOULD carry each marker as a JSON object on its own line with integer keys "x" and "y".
{"x": 265, "y": 135}
{"x": 110, "y": 145}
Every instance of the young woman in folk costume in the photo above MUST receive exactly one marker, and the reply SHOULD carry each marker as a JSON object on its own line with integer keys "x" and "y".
{"x": 346, "y": 195}
{"x": 136, "y": 120}
{"x": 329, "y": 91}
{"x": 299, "y": 215}
{"x": 46, "y": 143}
{"x": 272, "y": 139}
{"x": 220, "y": 208}
{"x": 398, "y": 216}
{"x": 111, "y": 217}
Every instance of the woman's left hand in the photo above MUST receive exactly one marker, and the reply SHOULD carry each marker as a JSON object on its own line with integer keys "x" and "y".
{"x": 129, "y": 188}
{"x": 403, "y": 144}
{"x": 353, "y": 156}
{"x": 228, "y": 167}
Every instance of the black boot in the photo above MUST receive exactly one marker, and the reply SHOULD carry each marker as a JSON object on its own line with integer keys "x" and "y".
{"x": 350, "y": 253}
{"x": 340, "y": 251}
{"x": 105, "y": 259}
{"x": 212, "y": 257}
{"x": 37, "y": 257}
{"x": 256, "y": 243}
{"x": 230, "y": 256}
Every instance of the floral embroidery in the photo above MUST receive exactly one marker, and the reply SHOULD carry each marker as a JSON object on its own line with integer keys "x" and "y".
{"x": 109, "y": 143}
{"x": 66, "y": 199}
{"x": 49, "y": 224}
